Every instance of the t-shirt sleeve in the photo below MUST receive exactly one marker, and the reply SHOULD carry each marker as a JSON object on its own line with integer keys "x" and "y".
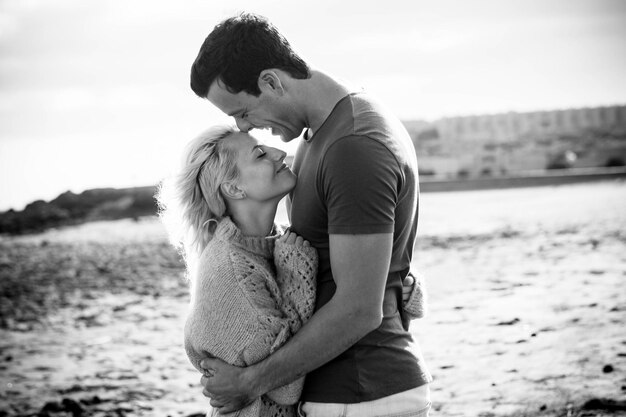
{"x": 359, "y": 182}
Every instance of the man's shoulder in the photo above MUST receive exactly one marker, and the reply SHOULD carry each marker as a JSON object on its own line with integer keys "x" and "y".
{"x": 375, "y": 121}
{"x": 360, "y": 116}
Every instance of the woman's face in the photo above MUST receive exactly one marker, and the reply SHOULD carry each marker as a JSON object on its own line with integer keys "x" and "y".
{"x": 263, "y": 174}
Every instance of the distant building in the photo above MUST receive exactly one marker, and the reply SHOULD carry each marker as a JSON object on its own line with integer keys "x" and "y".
{"x": 513, "y": 142}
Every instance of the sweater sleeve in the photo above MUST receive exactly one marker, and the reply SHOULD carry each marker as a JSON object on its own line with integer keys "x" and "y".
{"x": 415, "y": 306}
{"x": 296, "y": 271}
{"x": 221, "y": 320}
{"x": 239, "y": 315}
{"x": 276, "y": 323}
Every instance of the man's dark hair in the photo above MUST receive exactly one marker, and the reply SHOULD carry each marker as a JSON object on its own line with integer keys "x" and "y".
{"x": 236, "y": 52}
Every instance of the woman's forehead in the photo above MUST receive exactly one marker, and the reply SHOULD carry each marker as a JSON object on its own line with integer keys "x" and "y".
{"x": 243, "y": 140}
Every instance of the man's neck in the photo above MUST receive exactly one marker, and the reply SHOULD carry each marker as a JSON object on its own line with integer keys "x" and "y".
{"x": 320, "y": 94}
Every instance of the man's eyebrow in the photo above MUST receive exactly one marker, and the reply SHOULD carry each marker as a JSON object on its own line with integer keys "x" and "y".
{"x": 255, "y": 147}
{"x": 234, "y": 112}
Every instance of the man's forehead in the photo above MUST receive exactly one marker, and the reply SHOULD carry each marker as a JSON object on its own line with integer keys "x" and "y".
{"x": 229, "y": 103}
{"x": 217, "y": 90}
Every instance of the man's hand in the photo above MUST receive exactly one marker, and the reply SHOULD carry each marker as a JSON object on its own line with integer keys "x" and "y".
{"x": 407, "y": 288}
{"x": 226, "y": 385}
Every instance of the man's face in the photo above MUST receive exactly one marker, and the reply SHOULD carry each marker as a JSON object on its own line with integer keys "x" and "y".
{"x": 267, "y": 111}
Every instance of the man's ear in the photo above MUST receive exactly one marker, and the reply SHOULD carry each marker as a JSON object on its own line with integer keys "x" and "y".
{"x": 269, "y": 82}
{"x": 232, "y": 191}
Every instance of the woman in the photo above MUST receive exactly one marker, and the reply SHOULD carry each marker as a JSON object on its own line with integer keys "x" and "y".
{"x": 252, "y": 285}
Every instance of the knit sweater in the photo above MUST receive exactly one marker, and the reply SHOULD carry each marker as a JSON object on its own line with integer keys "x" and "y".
{"x": 250, "y": 295}
{"x": 416, "y": 306}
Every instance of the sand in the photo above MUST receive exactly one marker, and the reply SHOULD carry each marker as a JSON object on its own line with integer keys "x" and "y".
{"x": 527, "y": 310}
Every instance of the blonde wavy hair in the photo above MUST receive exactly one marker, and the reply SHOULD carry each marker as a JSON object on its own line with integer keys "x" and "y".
{"x": 190, "y": 202}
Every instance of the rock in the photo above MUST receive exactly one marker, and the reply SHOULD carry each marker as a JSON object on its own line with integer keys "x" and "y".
{"x": 73, "y": 407}
{"x": 606, "y": 404}
{"x": 509, "y": 323}
{"x": 73, "y": 389}
{"x": 53, "y": 406}
{"x": 92, "y": 401}
{"x": 607, "y": 369}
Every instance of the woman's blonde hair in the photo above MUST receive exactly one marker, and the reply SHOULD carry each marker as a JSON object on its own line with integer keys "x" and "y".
{"x": 190, "y": 203}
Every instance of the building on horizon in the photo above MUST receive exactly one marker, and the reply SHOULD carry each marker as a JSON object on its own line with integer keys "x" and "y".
{"x": 506, "y": 143}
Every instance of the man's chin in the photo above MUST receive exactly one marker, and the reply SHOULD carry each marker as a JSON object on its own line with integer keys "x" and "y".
{"x": 287, "y": 136}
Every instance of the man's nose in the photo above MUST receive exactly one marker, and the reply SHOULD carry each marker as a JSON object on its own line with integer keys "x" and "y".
{"x": 243, "y": 125}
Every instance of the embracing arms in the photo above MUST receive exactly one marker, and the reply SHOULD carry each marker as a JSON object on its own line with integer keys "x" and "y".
{"x": 360, "y": 264}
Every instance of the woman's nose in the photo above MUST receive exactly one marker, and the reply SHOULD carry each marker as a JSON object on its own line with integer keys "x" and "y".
{"x": 277, "y": 154}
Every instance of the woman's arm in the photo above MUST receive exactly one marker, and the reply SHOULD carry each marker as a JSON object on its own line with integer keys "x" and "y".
{"x": 359, "y": 263}
{"x": 278, "y": 314}
{"x": 296, "y": 274}
{"x": 236, "y": 317}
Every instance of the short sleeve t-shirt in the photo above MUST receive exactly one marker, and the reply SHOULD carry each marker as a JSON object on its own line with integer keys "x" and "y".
{"x": 358, "y": 175}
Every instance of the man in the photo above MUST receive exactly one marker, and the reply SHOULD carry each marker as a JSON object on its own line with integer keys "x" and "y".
{"x": 355, "y": 201}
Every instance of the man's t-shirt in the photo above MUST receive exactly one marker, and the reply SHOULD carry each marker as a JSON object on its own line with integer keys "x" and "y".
{"x": 358, "y": 175}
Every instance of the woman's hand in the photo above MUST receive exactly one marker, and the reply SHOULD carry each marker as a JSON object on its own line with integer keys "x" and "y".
{"x": 290, "y": 238}
{"x": 407, "y": 288}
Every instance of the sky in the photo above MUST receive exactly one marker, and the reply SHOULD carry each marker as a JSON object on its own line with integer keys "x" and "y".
{"x": 96, "y": 93}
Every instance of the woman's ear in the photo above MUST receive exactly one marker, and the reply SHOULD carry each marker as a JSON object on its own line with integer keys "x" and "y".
{"x": 269, "y": 82}
{"x": 232, "y": 191}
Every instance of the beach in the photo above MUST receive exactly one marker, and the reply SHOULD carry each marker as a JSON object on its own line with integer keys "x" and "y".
{"x": 527, "y": 310}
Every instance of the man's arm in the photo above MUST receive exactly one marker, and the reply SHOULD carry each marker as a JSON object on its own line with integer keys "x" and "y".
{"x": 360, "y": 264}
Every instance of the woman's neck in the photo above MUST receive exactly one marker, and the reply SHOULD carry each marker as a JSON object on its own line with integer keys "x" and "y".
{"x": 254, "y": 220}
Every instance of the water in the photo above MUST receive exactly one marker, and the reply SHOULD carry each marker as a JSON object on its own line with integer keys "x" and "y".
{"x": 556, "y": 207}
{"x": 595, "y": 206}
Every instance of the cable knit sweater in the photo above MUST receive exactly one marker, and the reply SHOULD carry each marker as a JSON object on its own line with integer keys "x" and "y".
{"x": 250, "y": 295}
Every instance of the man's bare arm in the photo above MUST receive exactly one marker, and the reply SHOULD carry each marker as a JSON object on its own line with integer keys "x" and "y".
{"x": 360, "y": 265}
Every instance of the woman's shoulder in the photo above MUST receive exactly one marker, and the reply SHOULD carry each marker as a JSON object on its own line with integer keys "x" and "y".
{"x": 223, "y": 259}
{"x": 214, "y": 266}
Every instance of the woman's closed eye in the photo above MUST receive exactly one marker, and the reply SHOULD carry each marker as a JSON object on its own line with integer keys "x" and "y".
{"x": 260, "y": 152}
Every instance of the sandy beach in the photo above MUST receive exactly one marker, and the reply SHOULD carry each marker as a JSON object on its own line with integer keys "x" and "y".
{"x": 527, "y": 310}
